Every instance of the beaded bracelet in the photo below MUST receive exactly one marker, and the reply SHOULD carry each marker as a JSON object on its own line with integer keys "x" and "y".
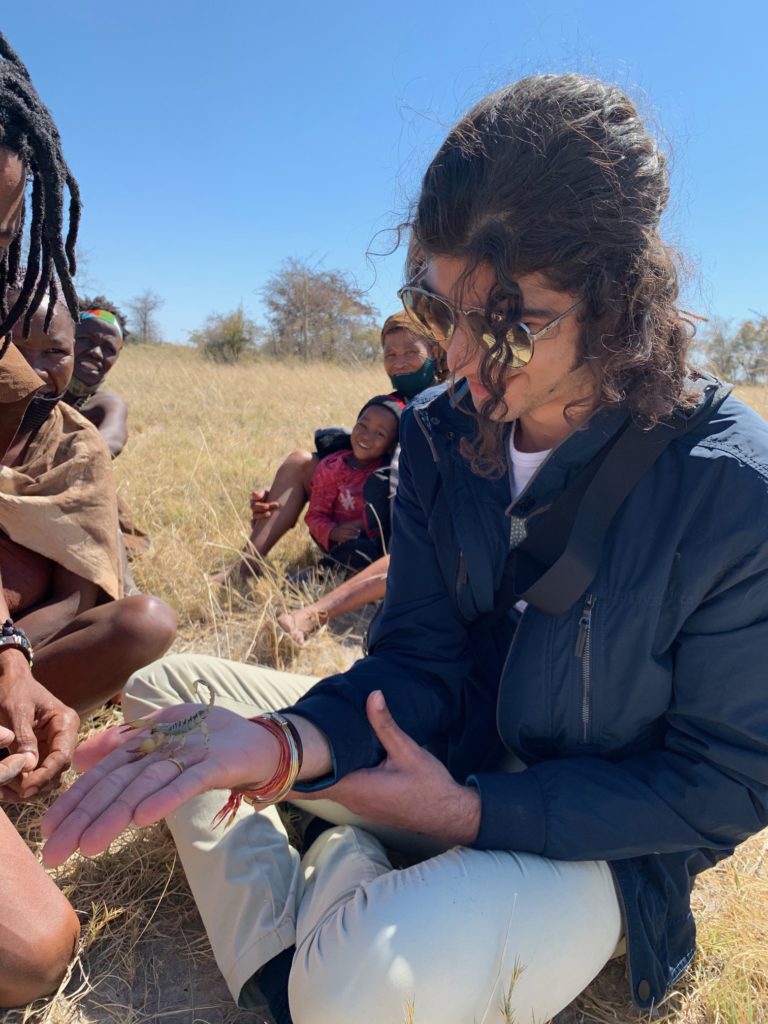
{"x": 13, "y": 636}
{"x": 284, "y": 776}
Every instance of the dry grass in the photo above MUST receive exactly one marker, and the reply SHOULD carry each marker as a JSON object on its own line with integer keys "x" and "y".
{"x": 201, "y": 436}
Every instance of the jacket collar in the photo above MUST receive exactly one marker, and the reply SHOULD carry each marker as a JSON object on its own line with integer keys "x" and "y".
{"x": 480, "y": 508}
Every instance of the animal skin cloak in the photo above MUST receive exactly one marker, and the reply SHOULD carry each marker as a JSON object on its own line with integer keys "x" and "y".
{"x": 61, "y": 501}
{"x": 18, "y": 383}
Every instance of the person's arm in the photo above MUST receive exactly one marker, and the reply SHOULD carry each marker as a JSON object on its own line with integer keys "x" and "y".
{"x": 43, "y": 730}
{"x": 234, "y": 753}
{"x": 113, "y": 420}
{"x": 70, "y": 595}
{"x": 319, "y": 520}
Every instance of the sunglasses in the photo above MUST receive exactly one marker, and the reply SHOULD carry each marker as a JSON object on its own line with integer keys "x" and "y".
{"x": 505, "y": 339}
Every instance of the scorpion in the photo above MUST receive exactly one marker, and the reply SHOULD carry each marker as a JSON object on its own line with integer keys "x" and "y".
{"x": 161, "y": 733}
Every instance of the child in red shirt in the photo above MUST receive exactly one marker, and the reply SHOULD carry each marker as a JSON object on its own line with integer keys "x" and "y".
{"x": 336, "y": 517}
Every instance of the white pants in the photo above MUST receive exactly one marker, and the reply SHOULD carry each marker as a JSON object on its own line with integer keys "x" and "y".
{"x": 463, "y": 937}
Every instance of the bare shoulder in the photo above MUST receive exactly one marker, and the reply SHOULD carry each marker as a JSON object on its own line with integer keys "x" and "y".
{"x": 108, "y": 401}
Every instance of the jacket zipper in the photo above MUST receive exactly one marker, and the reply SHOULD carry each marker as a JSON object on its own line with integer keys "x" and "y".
{"x": 583, "y": 651}
{"x": 461, "y": 578}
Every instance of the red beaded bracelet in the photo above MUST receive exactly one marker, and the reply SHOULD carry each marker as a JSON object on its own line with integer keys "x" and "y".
{"x": 284, "y": 776}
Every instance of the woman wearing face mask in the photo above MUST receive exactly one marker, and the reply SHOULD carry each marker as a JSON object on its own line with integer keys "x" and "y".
{"x": 412, "y": 364}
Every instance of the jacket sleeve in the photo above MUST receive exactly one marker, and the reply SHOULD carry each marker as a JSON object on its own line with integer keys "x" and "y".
{"x": 420, "y": 654}
{"x": 706, "y": 786}
{"x": 324, "y": 490}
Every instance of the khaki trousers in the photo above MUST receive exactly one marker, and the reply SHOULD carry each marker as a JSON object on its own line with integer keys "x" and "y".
{"x": 463, "y": 937}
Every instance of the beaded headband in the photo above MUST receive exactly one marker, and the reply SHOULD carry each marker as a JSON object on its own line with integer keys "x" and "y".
{"x": 106, "y": 316}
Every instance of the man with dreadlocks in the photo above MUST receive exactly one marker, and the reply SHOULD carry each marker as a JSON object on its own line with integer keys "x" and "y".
{"x": 39, "y": 931}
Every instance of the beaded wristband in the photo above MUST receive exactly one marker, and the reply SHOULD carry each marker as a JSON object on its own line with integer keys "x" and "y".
{"x": 284, "y": 776}
{"x": 12, "y": 636}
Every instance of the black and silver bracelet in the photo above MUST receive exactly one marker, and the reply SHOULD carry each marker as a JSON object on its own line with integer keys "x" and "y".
{"x": 13, "y": 636}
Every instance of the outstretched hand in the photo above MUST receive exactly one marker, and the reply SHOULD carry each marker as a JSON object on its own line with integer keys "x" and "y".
{"x": 409, "y": 789}
{"x": 122, "y": 787}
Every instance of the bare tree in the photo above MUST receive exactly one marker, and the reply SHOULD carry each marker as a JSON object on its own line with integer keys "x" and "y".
{"x": 739, "y": 355}
{"x": 144, "y": 325}
{"x": 84, "y": 281}
{"x": 318, "y": 314}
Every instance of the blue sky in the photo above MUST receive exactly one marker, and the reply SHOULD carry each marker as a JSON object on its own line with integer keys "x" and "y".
{"x": 214, "y": 140}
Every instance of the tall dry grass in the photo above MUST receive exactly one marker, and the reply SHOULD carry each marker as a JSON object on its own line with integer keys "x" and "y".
{"x": 201, "y": 436}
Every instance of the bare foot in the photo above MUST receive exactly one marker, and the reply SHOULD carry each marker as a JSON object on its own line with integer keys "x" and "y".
{"x": 300, "y": 624}
{"x": 246, "y": 568}
{"x": 221, "y": 579}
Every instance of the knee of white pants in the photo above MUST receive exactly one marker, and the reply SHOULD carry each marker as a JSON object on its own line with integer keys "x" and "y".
{"x": 153, "y": 686}
{"x": 453, "y": 936}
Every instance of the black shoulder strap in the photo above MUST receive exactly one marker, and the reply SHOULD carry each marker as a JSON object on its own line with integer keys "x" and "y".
{"x": 553, "y": 566}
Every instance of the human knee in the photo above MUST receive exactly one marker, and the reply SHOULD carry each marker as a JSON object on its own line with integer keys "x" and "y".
{"x": 158, "y": 684}
{"x": 299, "y": 459}
{"x": 323, "y": 996}
{"x": 40, "y": 955}
{"x": 146, "y": 623}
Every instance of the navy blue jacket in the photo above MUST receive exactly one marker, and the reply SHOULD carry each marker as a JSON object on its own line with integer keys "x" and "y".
{"x": 641, "y": 713}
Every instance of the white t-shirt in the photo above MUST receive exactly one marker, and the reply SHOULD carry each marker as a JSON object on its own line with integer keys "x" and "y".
{"x": 523, "y": 466}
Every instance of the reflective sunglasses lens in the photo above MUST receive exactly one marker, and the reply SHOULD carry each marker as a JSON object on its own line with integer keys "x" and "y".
{"x": 429, "y": 312}
{"x": 520, "y": 345}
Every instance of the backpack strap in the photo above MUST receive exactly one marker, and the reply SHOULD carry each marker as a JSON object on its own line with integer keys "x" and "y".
{"x": 554, "y": 564}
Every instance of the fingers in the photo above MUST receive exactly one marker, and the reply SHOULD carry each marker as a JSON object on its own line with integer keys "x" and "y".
{"x": 73, "y": 821}
{"x": 96, "y": 747}
{"x": 14, "y": 765}
{"x": 397, "y": 744}
{"x": 192, "y": 782}
{"x": 154, "y": 794}
{"x": 6, "y": 737}
{"x": 47, "y": 772}
{"x": 21, "y": 723}
{"x": 110, "y": 799}
{"x": 57, "y": 738}
{"x": 69, "y": 802}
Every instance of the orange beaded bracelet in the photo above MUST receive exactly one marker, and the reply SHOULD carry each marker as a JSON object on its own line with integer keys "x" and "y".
{"x": 283, "y": 777}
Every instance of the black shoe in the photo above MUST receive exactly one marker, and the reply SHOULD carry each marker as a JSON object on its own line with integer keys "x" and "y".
{"x": 270, "y": 985}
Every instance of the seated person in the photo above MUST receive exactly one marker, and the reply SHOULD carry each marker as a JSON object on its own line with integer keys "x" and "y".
{"x": 347, "y": 524}
{"x": 59, "y": 544}
{"x": 412, "y": 363}
{"x": 99, "y": 339}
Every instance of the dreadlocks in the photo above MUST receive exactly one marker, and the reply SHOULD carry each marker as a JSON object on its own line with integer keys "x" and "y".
{"x": 27, "y": 129}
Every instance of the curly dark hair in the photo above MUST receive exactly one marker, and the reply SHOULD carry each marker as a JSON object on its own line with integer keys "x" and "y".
{"x": 102, "y": 302}
{"x": 27, "y": 129}
{"x": 557, "y": 174}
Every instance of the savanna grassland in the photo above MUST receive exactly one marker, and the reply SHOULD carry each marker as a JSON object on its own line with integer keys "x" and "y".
{"x": 201, "y": 436}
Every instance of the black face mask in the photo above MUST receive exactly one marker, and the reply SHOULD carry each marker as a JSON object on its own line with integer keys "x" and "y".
{"x": 412, "y": 384}
{"x": 38, "y": 411}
